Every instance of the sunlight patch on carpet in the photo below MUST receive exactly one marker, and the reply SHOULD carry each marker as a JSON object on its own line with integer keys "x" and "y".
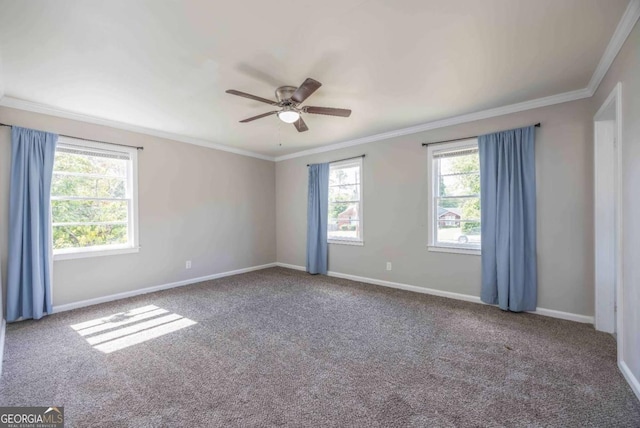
{"x": 124, "y": 329}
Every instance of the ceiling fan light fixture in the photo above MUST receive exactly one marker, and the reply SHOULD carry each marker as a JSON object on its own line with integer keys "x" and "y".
{"x": 289, "y": 99}
{"x": 289, "y": 116}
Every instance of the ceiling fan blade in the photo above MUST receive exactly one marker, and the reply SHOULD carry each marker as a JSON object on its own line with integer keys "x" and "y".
{"x": 342, "y": 112}
{"x": 260, "y": 116}
{"x": 253, "y": 97}
{"x": 300, "y": 125}
{"x": 307, "y": 88}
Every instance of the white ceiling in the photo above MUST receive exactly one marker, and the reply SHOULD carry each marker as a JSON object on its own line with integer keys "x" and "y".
{"x": 165, "y": 65}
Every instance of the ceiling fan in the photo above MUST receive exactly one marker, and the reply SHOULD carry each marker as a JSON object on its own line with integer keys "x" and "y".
{"x": 289, "y": 100}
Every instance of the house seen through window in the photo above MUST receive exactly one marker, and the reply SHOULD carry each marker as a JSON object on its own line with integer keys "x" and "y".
{"x": 345, "y": 202}
{"x": 93, "y": 198}
{"x": 455, "y": 195}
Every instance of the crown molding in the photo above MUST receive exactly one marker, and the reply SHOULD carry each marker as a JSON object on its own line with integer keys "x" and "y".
{"x": 53, "y": 111}
{"x": 455, "y": 120}
{"x": 624, "y": 28}
{"x": 622, "y": 31}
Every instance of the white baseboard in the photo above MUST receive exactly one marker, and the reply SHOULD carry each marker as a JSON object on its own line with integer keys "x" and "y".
{"x": 631, "y": 379}
{"x": 294, "y": 267}
{"x": 3, "y": 330}
{"x": 586, "y": 319}
{"x": 124, "y": 295}
{"x": 414, "y": 288}
{"x": 458, "y": 296}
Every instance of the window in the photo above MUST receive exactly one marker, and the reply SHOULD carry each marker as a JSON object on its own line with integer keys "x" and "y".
{"x": 345, "y": 202}
{"x": 454, "y": 195}
{"x": 93, "y": 199}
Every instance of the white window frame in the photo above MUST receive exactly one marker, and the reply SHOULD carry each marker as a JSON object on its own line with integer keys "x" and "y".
{"x": 432, "y": 217}
{"x": 352, "y": 241}
{"x": 132, "y": 245}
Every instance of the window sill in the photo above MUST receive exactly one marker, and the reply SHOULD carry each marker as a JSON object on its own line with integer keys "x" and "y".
{"x": 455, "y": 250}
{"x": 336, "y": 241}
{"x": 82, "y": 254}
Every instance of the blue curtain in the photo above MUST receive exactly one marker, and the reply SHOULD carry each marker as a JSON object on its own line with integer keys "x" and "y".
{"x": 508, "y": 201}
{"x": 29, "y": 258}
{"x": 317, "y": 212}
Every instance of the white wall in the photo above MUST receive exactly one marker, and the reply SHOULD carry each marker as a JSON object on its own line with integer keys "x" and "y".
{"x": 395, "y": 210}
{"x": 214, "y": 208}
{"x": 626, "y": 69}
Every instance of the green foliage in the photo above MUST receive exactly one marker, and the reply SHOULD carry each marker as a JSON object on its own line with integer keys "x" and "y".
{"x": 337, "y": 208}
{"x": 71, "y": 162}
{"x": 445, "y": 226}
{"x": 87, "y": 236}
{"x": 446, "y": 203}
{"x": 90, "y": 187}
{"x": 81, "y": 211}
{"x": 469, "y": 227}
{"x": 349, "y": 227}
{"x": 88, "y": 177}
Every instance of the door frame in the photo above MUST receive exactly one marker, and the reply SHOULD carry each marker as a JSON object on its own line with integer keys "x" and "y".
{"x": 605, "y": 313}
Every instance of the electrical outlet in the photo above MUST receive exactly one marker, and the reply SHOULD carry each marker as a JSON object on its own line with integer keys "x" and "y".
{"x": 388, "y": 265}
{"x": 188, "y": 264}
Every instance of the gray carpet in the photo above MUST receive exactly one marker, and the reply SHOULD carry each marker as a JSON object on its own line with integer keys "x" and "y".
{"x": 282, "y": 348}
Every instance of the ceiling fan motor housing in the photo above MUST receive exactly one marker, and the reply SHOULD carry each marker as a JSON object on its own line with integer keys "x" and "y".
{"x": 284, "y": 93}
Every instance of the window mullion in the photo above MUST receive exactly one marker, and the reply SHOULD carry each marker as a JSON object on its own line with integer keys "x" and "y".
{"x": 87, "y": 198}
{"x": 477, "y": 196}
{"x": 89, "y": 175}
{"x": 89, "y": 223}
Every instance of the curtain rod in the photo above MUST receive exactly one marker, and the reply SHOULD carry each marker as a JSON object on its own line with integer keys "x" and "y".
{"x": 93, "y": 141}
{"x": 537, "y": 125}
{"x": 340, "y": 160}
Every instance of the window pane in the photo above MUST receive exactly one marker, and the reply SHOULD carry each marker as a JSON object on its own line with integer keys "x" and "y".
{"x": 341, "y": 229}
{"x": 343, "y": 212}
{"x": 461, "y": 184}
{"x": 71, "y": 162}
{"x": 92, "y": 195}
{"x": 456, "y": 196}
{"x": 344, "y": 193}
{"x": 458, "y": 221}
{"x": 88, "y": 236}
{"x": 344, "y": 201}
{"x": 459, "y": 175}
{"x": 92, "y": 187}
{"x": 458, "y": 208}
{"x": 83, "y": 211}
{"x": 464, "y": 233}
{"x": 344, "y": 175}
